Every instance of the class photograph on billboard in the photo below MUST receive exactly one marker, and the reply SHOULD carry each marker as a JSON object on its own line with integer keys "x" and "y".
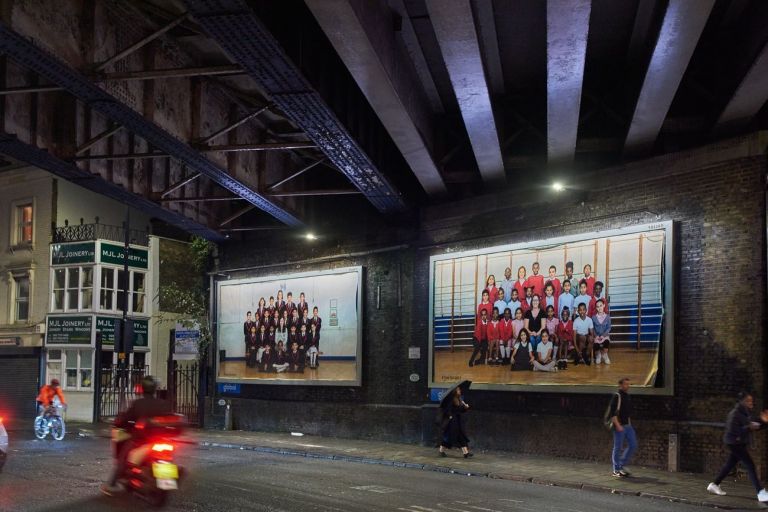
{"x": 291, "y": 329}
{"x": 570, "y": 314}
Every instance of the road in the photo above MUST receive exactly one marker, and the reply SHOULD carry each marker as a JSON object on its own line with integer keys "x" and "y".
{"x": 65, "y": 476}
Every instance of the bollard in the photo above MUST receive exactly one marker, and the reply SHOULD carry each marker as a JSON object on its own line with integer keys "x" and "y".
{"x": 228, "y": 417}
{"x": 673, "y": 463}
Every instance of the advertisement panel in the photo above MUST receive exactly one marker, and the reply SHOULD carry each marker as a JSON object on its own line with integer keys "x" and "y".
{"x": 570, "y": 314}
{"x": 278, "y": 329}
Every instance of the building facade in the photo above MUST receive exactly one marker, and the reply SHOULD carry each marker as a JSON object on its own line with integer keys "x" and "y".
{"x": 61, "y": 281}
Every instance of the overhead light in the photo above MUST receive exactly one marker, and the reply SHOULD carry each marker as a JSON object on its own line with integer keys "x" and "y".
{"x": 558, "y": 187}
{"x": 310, "y": 236}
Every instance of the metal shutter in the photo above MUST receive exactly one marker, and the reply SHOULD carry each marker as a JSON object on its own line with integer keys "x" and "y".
{"x": 19, "y": 373}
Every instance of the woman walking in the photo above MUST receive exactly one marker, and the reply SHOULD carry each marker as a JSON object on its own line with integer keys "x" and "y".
{"x": 452, "y": 425}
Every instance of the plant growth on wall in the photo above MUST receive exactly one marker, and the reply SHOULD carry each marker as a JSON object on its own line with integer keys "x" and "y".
{"x": 188, "y": 295}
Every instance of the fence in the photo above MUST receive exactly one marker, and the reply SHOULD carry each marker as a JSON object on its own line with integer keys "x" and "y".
{"x": 119, "y": 388}
{"x": 184, "y": 390}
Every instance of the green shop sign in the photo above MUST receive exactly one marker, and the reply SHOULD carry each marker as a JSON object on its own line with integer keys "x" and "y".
{"x": 65, "y": 254}
{"x": 113, "y": 253}
{"x": 68, "y": 330}
{"x": 106, "y": 326}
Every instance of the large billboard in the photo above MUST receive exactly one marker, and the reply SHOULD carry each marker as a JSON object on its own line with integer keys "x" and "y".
{"x": 567, "y": 314}
{"x": 291, "y": 329}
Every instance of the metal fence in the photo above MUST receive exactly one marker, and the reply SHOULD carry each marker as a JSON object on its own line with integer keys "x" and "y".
{"x": 184, "y": 390}
{"x": 119, "y": 388}
{"x": 88, "y": 232}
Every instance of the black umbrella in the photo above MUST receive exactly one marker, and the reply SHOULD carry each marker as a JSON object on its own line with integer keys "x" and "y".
{"x": 464, "y": 385}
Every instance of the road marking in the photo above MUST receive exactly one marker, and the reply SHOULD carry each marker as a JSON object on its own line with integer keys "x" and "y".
{"x": 424, "y": 508}
{"x": 484, "y": 509}
{"x": 446, "y": 507}
{"x": 374, "y": 488}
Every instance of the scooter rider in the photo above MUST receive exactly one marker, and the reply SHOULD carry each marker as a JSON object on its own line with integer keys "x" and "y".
{"x": 146, "y": 407}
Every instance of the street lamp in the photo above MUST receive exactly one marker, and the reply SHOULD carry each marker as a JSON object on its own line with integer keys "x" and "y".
{"x": 558, "y": 187}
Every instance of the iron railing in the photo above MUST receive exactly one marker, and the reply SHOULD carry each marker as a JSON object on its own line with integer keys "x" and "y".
{"x": 184, "y": 390}
{"x": 88, "y": 232}
{"x": 119, "y": 388}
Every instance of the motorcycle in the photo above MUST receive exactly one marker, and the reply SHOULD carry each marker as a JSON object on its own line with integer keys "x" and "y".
{"x": 151, "y": 472}
{"x": 3, "y": 444}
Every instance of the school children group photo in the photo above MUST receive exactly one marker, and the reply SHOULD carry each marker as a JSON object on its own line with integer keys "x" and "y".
{"x": 538, "y": 322}
{"x": 282, "y": 335}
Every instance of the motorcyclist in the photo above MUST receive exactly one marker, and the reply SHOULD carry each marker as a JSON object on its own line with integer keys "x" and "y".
{"x": 46, "y": 395}
{"x": 146, "y": 407}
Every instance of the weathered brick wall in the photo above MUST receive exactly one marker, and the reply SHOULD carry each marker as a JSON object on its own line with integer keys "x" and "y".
{"x": 715, "y": 195}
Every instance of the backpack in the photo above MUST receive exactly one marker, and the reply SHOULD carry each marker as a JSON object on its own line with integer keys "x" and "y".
{"x": 608, "y": 417}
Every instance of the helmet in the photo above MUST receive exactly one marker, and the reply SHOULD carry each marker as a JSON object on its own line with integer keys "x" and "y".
{"x": 54, "y": 382}
{"x": 148, "y": 385}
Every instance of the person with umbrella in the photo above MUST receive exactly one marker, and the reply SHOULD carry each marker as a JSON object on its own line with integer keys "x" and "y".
{"x": 452, "y": 408}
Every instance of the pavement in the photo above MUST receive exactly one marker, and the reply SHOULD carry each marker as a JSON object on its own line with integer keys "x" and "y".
{"x": 683, "y": 488}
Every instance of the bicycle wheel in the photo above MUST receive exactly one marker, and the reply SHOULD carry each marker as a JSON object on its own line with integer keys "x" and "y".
{"x": 41, "y": 427}
{"x": 57, "y": 428}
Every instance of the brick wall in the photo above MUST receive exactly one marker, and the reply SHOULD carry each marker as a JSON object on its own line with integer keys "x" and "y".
{"x": 714, "y": 194}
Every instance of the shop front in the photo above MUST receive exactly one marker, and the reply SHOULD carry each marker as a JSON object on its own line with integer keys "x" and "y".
{"x": 89, "y": 291}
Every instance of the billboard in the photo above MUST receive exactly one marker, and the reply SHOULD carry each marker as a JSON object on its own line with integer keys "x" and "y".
{"x": 291, "y": 329}
{"x": 575, "y": 313}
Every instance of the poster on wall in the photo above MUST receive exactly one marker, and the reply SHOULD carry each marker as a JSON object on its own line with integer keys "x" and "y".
{"x": 291, "y": 329}
{"x": 568, "y": 314}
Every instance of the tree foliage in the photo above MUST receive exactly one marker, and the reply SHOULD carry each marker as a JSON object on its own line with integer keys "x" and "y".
{"x": 191, "y": 300}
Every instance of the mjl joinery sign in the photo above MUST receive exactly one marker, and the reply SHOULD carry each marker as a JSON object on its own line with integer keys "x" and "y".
{"x": 68, "y": 330}
{"x": 113, "y": 253}
{"x": 106, "y": 326}
{"x": 66, "y": 254}
{"x": 85, "y": 252}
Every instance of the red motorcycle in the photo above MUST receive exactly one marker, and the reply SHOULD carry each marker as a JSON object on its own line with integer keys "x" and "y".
{"x": 151, "y": 472}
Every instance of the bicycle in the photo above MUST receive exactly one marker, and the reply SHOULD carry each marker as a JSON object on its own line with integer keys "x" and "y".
{"x": 50, "y": 422}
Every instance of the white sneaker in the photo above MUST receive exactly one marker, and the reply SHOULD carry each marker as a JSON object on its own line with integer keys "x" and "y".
{"x": 762, "y": 496}
{"x": 598, "y": 358}
{"x": 606, "y": 359}
{"x": 715, "y": 489}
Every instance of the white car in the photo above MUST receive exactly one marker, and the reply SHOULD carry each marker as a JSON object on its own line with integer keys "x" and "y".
{"x": 3, "y": 444}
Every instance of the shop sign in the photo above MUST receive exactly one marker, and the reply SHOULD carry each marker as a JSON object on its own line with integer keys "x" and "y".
{"x": 186, "y": 341}
{"x": 68, "y": 330}
{"x": 106, "y": 326}
{"x": 113, "y": 253}
{"x": 67, "y": 254}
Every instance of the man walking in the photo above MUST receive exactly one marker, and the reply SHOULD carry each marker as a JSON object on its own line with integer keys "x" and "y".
{"x": 738, "y": 433}
{"x": 620, "y": 414}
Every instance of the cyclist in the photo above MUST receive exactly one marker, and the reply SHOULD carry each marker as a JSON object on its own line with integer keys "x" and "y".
{"x": 46, "y": 395}
{"x": 146, "y": 407}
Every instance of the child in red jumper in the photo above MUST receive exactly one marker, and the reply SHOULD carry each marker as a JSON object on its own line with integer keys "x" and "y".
{"x": 480, "y": 340}
{"x": 493, "y": 338}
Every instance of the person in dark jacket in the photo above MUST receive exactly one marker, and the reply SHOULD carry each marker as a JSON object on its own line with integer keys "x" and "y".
{"x": 453, "y": 425}
{"x": 738, "y": 434}
{"x": 146, "y": 407}
{"x": 621, "y": 417}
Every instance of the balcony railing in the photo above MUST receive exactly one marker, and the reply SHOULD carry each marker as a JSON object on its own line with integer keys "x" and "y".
{"x": 87, "y": 232}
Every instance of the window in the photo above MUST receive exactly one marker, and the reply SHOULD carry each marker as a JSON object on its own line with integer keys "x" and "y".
{"x": 24, "y": 224}
{"x": 78, "y": 368}
{"x": 86, "y": 287}
{"x": 138, "y": 294}
{"x": 53, "y": 365}
{"x": 72, "y": 289}
{"x": 112, "y": 296}
{"x": 59, "y": 283}
{"x": 21, "y": 298}
{"x": 107, "y": 293}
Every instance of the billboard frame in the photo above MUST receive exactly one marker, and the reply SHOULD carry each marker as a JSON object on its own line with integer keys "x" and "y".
{"x": 356, "y": 382}
{"x": 667, "y": 345}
